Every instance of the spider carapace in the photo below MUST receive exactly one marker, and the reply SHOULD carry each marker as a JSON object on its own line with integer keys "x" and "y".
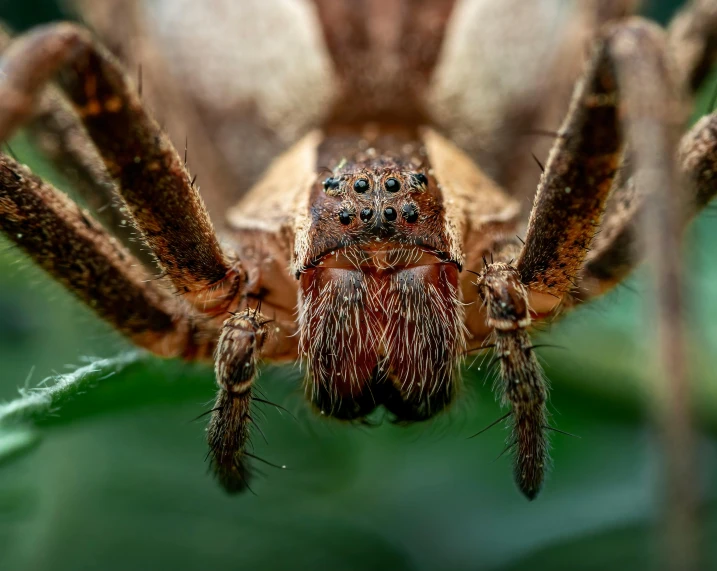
{"x": 374, "y": 249}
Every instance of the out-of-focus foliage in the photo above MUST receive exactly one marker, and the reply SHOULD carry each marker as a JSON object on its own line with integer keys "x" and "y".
{"x": 114, "y": 478}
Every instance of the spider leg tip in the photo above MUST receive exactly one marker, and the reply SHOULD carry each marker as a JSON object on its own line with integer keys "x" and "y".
{"x": 530, "y": 492}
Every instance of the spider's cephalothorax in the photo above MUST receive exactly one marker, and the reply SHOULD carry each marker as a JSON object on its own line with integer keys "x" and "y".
{"x": 380, "y": 312}
{"x": 377, "y": 222}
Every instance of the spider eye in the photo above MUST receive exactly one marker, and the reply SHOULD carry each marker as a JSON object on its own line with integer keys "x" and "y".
{"x": 331, "y": 183}
{"x": 421, "y": 178}
{"x": 345, "y": 217}
{"x": 361, "y": 185}
{"x": 366, "y": 214}
{"x": 392, "y": 185}
{"x": 390, "y": 214}
{"x": 410, "y": 213}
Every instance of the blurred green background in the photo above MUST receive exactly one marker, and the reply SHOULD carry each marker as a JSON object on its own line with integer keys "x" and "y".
{"x": 118, "y": 480}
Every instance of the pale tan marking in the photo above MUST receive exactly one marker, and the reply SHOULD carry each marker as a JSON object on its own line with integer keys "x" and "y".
{"x": 471, "y": 200}
{"x": 279, "y": 202}
{"x": 543, "y": 303}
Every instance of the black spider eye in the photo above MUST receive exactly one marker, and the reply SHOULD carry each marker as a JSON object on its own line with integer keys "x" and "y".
{"x": 345, "y": 217}
{"x": 361, "y": 185}
{"x": 390, "y": 214}
{"x": 410, "y": 213}
{"x": 392, "y": 185}
{"x": 366, "y": 214}
{"x": 331, "y": 183}
{"x": 421, "y": 178}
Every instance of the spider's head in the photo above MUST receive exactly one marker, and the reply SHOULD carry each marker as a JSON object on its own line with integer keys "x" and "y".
{"x": 377, "y": 213}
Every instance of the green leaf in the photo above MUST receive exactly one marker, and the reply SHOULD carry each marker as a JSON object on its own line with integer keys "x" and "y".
{"x": 38, "y": 403}
{"x": 123, "y": 470}
{"x": 131, "y": 380}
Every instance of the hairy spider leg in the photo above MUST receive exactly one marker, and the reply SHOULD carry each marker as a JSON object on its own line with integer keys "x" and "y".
{"x": 621, "y": 244}
{"x": 243, "y": 337}
{"x": 569, "y": 207}
{"x": 576, "y": 183}
{"x": 58, "y": 134}
{"x": 72, "y": 247}
{"x": 692, "y": 37}
{"x": 152, "y": 179}
{"x": 567, "y": 212}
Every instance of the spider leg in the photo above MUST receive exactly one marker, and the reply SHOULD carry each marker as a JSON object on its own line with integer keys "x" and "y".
{"x": 243, "y": 337}
{"x": 57, "y": 132}
{"x": 152, "y": 179}
{"x": 553, "y": 98}
{"x": 123, "y": 27}
{"x": 620, "y": 246}
{"x": 574, "y": 187}
{"x": 692, "y": 42}
{"x": 652, "y": 122}
{"x": 521, "y": 384}
{"x": 71, "y": 246}
{"x": 566, "y": 215}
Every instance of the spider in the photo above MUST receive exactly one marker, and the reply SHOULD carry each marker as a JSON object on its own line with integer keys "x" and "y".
{"x": 374, "y": 248}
